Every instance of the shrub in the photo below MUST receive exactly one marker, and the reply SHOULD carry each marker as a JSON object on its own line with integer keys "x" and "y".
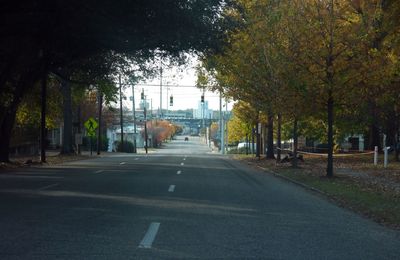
{"x": 128, "y": 147}
{"x": 103, "y": 147}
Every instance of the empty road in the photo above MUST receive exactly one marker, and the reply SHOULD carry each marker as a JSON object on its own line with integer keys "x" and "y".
{"x": 180, "y": 202}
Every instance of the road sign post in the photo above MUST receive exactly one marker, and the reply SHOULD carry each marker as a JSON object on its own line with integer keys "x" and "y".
{"x": 91, "y": 126}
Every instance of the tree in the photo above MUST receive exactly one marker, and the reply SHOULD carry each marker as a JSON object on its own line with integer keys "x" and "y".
{"x": 62, "y": 34}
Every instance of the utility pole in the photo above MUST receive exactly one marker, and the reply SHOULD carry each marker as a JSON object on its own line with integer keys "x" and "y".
{"x": 221, "y": 125}
{"x": 121, "y": 116}
{"x": 100, "y": 99}
{"x": 167, "y": 103}
{"x": 202, "y": 112}
{"x": 160, "y": 115}
{"x": 134, "y": 119}
{"x": 145, "y": 125}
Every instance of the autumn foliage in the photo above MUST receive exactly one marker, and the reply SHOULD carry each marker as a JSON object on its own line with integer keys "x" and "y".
{"x": 331, "y": 64}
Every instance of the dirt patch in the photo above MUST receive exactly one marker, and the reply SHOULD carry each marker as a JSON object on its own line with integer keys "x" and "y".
{"x": 29, "y": 161}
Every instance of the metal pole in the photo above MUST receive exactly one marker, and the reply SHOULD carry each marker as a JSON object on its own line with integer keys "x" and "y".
{"x": 145, "y": 126}
{"x": 221, "y": 125}
{"x": 160, "y": 115}
{"x": 167, "y": 103}
{"x": 134, "y": 119}
{"x": 99, "y": 129}
{"x": 121, "y": 116}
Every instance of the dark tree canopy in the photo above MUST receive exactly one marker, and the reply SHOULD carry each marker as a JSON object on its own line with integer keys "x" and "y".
{"x": 66, "y": 37}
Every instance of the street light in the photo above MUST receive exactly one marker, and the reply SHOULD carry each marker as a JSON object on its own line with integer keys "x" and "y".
{"x": 134, "y": 119}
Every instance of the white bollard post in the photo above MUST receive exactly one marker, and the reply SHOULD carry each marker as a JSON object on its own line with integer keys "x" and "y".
{"x": 376, "y": 156}
{"x": 385, "y": 159}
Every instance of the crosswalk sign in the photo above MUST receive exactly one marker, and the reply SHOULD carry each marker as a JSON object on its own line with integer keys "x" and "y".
{"x": 91, "y": 126}
{"x": 91, "y": 134}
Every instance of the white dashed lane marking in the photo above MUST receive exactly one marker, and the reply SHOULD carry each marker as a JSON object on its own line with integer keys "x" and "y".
{"x": 49, "y": 186}
{"x": 171, "y": 188}
{"x": 182, "y": 164}
{"x": 178, "y": 172}
{"x": 122, "y": 163}
{"x": 99, "y": 171}
{"x": 150, "y": 235}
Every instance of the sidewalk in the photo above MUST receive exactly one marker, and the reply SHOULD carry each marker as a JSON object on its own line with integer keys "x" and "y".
{"x": 53, "y": 157}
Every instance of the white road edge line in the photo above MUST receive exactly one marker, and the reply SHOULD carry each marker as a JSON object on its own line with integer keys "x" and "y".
{"x": 99, "y": 171}
{"x": 49, "y": 186}
{"x": 121, "y": 163}
{"x": 178, "y": 172}
{"x": 171, "y": 188}
{"x": 150, "y": 235}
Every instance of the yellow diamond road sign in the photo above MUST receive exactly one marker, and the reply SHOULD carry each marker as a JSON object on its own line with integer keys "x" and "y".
{"x": 91, "y": 126}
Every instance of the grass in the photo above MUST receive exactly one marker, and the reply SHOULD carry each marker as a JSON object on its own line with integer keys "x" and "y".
{"x": 366, "y": 196}
{"x": 383, "y": 207}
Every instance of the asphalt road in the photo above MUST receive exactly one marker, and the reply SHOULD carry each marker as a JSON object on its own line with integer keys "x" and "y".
{"x": 182, "y": 201}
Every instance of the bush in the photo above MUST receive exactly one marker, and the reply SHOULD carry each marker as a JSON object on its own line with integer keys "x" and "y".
{"x": 128, "y": 147}
{"x": 103, "y": 147}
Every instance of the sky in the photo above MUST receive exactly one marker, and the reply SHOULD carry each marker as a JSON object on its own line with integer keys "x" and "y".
{"x": 178, "y": 82}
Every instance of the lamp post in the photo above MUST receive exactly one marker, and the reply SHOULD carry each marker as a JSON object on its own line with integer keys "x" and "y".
{"x": 134, "y": 119}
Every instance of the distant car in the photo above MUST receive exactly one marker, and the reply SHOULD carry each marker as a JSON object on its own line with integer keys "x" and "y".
{"x": 186, "y": 138}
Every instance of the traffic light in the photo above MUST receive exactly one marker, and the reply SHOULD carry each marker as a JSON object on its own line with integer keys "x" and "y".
{"x": 142, "y": 95}
{"x": 171, "y": 100}
{"x": 202, "y": 98}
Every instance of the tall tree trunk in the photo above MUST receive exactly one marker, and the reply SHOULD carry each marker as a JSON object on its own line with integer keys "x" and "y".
{"x": 373, "y": 131}
{"x": 279, "y": 137}
{"x": 391, "y": 130}
{"x": 9, "y": 114}
{"x": 247, "y": 144}
{"x": 295, "y": 143}
{"x": 43, "y": 139}
{"x": 5, "y": 133}
{"x": 67, "y": 111}
{"x": 258, "y": 142}
{"x": 270, "y": 138}
{"x": 396, "y": 138}
{"x": 264, "y": 138}
{"x": 252, "y": 141}
{"x": 329, "y": 169}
